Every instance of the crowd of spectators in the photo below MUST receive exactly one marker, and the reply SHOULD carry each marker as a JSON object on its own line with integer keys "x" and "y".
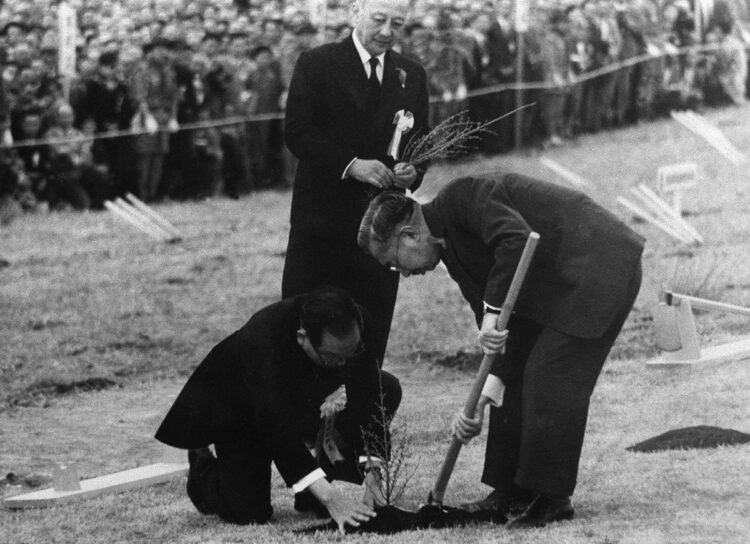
{"x": 159, "y": 66}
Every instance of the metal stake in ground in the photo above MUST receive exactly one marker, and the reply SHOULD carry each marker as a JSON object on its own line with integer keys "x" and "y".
{"x": 436, "y": 495}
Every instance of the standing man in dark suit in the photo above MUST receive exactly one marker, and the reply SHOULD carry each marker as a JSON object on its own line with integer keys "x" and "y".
{"x": 298, "y": 385}
{"x": 339, "y": 121}
{"x": 581, "y": 285}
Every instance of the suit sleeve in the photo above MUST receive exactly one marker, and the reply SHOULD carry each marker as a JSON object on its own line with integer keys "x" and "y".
{"x": 303, "y": 125}
{"x": 502, "y": 230}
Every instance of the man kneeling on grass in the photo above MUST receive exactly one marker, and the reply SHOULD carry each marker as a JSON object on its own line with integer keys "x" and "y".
{"x": 299, "y": 378}
{"x": 580, "y": 287}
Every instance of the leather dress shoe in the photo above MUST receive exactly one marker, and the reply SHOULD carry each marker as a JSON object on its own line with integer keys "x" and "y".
{"x": 508, "y": 505}
{"x": 307, "y": 502}
{"x": 541, "y": 511}
{"x": 198, "y": 458}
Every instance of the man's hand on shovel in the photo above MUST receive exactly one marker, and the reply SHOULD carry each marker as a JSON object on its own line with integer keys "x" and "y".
{"x": 491, "y": 339}
{"x": 464, "y": 428}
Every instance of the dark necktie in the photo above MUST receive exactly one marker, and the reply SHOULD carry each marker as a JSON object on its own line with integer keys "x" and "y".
{"x": 374, "y": 83}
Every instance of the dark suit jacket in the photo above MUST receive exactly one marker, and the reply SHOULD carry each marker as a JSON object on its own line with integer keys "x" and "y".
{"x": 259, "y": 384}
{"x": 328, "y": 124}
{"x": 580, "y": 276}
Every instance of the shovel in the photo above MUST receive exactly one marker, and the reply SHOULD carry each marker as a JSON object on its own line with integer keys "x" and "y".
{"x": 436, "y": 495}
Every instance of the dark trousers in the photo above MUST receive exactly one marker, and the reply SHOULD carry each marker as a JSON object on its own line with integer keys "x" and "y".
{"x": 312, "y": 261}
{"x": 535, "y": 438}
{"x": 236, "y": 485}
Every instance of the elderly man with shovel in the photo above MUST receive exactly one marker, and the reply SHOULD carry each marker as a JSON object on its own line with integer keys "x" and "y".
{"x": 580, "y": 287}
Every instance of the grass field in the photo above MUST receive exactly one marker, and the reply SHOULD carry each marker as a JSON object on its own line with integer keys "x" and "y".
{"x": 87, "y": 303}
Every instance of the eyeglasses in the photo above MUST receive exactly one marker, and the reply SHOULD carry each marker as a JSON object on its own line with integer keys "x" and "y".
{"x": 331, "y": 359}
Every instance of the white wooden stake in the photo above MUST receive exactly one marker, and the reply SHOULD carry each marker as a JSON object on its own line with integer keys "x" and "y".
{"x": 643, "y": 214}
{"x": 133, "y": 221}
{"x": 142, "y": 217}
{"x": 712, "y": 135}
{"x": 660, "y": 213}
{"x": 149, "y": 211}
{"x": 670, "y": 211}
{"x": 570, "y": 176}
{"x": 119, "y": 481}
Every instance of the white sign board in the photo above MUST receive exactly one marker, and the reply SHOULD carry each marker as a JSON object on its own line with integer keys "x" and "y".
{"x": 678, "y": 176}
{"x": 68, "y": 33}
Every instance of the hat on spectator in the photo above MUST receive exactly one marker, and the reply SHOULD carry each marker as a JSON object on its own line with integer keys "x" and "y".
{"x": 49, "y": 42}
{"x": 159, "y": 41}
{"x": 109, "y": 58}
{"x": 305, "y": 28}
{"x": 257, "y": 50}
{"x": 15, "y": 23}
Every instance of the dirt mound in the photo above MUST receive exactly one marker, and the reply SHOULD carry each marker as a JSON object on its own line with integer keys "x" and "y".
{"x": 468, "y": 360}
{"x": 42, "y": 390}
{"x": 391, "y": 519}
{"x": 701, "y": 436}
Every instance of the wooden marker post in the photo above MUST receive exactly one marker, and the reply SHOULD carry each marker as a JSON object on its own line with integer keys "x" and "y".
{"x": 109, "y": 483}
{"x": 436, "y": 495}
{"x": 134, "y": 221}
{"x": 674, "y": 180}
{"x": 638, "y": 211}
{"x": 149, "y": 212}
{"x": 677, "y": 336}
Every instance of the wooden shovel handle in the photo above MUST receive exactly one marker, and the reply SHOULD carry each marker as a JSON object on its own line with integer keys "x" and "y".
{"x": 436, "y": 496}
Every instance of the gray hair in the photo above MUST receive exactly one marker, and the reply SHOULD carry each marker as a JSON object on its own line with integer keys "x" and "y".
{"x": 387, "y": 211}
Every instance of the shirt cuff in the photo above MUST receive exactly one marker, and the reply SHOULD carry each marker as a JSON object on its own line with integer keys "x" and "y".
{"x": 343, "y": 176}
{"x": 363, "y": 459}
{"x": 491, "y": 309}
{"x": 494, "y": 389}
{"x": 305, "y": 482}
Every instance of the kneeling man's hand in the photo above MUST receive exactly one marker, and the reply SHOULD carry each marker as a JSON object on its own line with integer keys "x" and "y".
{"x": 342, "y": 509}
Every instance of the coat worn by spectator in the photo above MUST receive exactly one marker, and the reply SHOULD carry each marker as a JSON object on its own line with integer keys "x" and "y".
{"x": 155, "y": 91}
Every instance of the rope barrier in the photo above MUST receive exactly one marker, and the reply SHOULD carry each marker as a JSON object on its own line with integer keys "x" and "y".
{"x": 237, "y": 120}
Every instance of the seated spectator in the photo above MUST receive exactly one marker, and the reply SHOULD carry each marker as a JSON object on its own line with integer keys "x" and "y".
{"x": 74, "y": 178}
